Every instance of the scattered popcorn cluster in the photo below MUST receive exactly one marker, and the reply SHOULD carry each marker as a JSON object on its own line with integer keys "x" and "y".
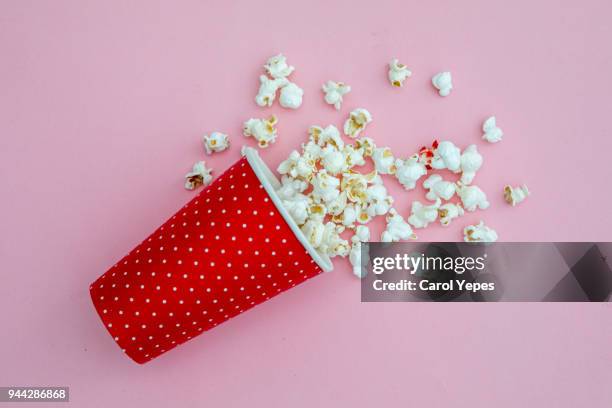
{"x": 332, "y": 201}
{"x": 278, "y": 70}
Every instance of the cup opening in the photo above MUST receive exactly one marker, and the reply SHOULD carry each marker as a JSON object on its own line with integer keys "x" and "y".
{"x": 271, "y": 183}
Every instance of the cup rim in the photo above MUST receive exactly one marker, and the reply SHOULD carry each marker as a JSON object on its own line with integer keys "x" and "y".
{"x": 270, "y": 183}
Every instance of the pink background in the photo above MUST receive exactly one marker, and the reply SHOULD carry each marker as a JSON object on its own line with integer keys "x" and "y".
{"x": 102, "y": 106}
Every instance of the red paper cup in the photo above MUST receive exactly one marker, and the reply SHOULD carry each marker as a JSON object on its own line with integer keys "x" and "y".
{"x": 230, "y": 248}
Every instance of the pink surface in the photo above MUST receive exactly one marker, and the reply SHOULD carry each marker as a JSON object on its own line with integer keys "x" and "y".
{"x": 102, "y": 108}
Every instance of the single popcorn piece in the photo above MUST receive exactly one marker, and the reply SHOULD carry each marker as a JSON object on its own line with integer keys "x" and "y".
{"x": 448, "y": 212}
{"x": 334, "y": 93}
{"x": 328, "y": 136}
{"x": 262, "y": 130}
{"x": 291, "y": 187}
{"x": 353, "y": 157}
{"x": 471, "y": 161}
{"x": 325, "y": 186}
{"x": 397, "y": 228}
{"x": 447, "y": 156}
{"x": 492, "y": 133}
{"x": 439, "y": 188}
{"x": 337, "y": 206}
{"x": 216, "y": 142}
{"x": 333, "y": 160}
{"x": 479, "y": 233}
{"x": 313, "y": 230}
{"x": 200, "y": 175}
{"x": 366, "y": 146}
{"x": 515, "y": 195}
{"x": 398, "y": 73}
{"x": 298, "y": 207}
{"x": 291, "y": 96}
{"x": 377, "y": 199}
{"x": 442, "y": 81}
{"x": 409, "y": 171}
{"x": 348, "y": 217}
{"x": 357, "y": 122}
{"x": 383, "y": 160}
{"x": 267, "y": 90}
{"x": 472, "y": 197}
{"x": 421, "y": 215}
{"x": 297, "y": 165}
{"x": 362, "y": 233}
{"x": 277, "y": 67}
{"x": 356, "y": 260}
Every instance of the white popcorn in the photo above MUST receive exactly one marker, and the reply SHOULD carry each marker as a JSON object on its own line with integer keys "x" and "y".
{"x": 216, "y": 142}
{"x": 443, "y": 83}
{"x": 334, "y": 93}
{"x": 471, "y": 161}
{"x": 291, "y": 187}
{"x": 328, "y": 136}
{"x": 515, "y": 195}
{"x": 357, "y": 122}
{"x": 383, "y": 160}
{"x": 472, "y": 197}
{"x": 327, "y": 239}
{"x": 352, "y": 156}
{"x": 337, "y": 206}
{"x": 200, "y": 175}
{"x": 348, "y": 216}
{"x": 316, "y": 209}
{"x": 492, "y": 133}
{"x": 355, "y": 186}
{"x": 421, "y": 215}
{"x": 377, "y": 199}
{"x": 397, "y": 228}
{"x": 277, "y": 67}
{"x": 291, "y": 96}
{"x": 355, "y": 259}
{"x": 333, "y": 160}
{"x": 263, "y": 130}
{"x": 267, "y": 90}
{"x": 325, "y": 186}
{"x": 311, "y": 150}
{"x": 409, "y": 171}
{"x": 362, "y": 233}
{"x": 448, "y": 212}
{"x": 298, "y": 208}
{"x": 398, "y": 73}
{"x": 297, "y": 165}
{"x": 438, "y": 188}
{"x": 366, "y": 146}
{"x": 447, "y": 156}
{"x": 479, "y": 233}
{"x": 314, "y": 230}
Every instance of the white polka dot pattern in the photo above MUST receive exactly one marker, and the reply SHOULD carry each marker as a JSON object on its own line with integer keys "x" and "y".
{"x": 224, "y": 252}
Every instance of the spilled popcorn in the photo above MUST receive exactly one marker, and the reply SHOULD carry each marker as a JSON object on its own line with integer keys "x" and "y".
{"x": 443, "y": 83}
{"x": 515, "y": 195}
{"x": 332, "y": 201}
{"x": 200, "y": 175}
{"x": 334, "y": 93}
{"x": 216, "y": 142}
{"x": 357, "y": 122}
{"x": 262, "y": 130}
{"x": 398, "y": 73}
{"x": 491, "y": 133}
{"x": 278, "y": 71}
{"x": 479, "y": 233}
